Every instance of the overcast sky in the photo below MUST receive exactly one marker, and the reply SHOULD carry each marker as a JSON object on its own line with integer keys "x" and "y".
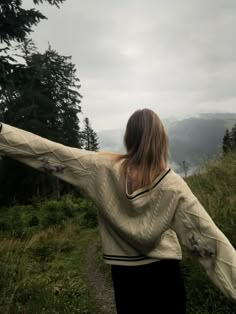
{"x": 176, "y": 57}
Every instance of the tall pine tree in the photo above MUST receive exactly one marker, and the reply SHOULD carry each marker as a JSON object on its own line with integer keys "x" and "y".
{"x": 90, "y": 138}
{"x": 233, "y": 137}
{"x": 47, "y": 102}
{"x": 16, "y": 22}
{"x": 15, "y": 25}
{"x": 229, "y": 140}
{"x": 226, "y": 142}
{"x": 48, "y": 99}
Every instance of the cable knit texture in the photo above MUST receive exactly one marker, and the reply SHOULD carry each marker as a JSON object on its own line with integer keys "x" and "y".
{"x": 135, "y": 229}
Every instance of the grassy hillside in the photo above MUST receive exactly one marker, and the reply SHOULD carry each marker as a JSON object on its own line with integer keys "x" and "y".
{"x": 42, "y": 257}
{"x": 44, "y": 251}
{"x": 215, "y": 187}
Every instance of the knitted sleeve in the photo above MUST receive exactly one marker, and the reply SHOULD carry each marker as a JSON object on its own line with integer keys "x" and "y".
{"x": 197, "y": 231}
{"x": 73, "y": 165}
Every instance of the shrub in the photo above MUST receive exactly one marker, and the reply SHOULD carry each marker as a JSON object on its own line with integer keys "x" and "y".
{"x": 70, "y": 206}
{"x": 33, "y": 221}
{"x": 16, "y": 223}
{"x": 89, "y": 219}
{"x": 52, "y": 213}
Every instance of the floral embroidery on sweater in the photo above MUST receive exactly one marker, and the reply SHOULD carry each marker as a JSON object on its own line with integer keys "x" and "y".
{"x": 197, "y": 250}
{"x": 46, "y": 167}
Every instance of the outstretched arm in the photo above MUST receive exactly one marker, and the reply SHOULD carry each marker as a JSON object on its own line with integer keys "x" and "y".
{"x": 73, "y": 165}
{"x": 197, "y": 231}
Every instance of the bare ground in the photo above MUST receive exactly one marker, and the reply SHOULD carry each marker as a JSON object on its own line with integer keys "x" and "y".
{"x": 104, "y": 293}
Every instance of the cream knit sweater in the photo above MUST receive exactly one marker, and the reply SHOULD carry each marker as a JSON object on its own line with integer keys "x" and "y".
{"x": 136, "y": 228}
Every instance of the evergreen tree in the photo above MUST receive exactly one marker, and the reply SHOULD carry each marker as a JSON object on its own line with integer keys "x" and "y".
{"x": 39, "y": 94}
{"x": 226, "y": 142}
{"x": 90, "y": 138}
{"x": 47, "y": 102}
{"x": 16, "y": 22}
{"x": 15, "y": 25}
{"x": 94, "y": 142}
{"x": 233, "y": 137}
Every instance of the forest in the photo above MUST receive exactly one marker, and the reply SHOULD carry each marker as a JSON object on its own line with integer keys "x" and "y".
{"x": 39, "y": 92}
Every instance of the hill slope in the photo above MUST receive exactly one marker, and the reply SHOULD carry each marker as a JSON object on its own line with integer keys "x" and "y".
{"x": 215, "y": 187}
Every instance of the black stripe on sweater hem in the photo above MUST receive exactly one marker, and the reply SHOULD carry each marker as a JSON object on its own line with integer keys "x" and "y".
{"x": 124, "y": 256}
{"x": 132, "y": 197}
{"x": 127, "y": 259}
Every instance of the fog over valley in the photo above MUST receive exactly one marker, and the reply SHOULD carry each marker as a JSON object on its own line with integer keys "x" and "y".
{"x": 193, "y": 140}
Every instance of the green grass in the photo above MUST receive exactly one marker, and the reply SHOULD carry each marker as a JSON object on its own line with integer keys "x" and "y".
{"x": 42, "y": 251}
{"x": 45, "y": 274}
{"x": 215, "y": 187}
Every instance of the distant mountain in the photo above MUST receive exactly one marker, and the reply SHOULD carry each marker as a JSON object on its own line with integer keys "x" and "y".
{"x": 192, "y": 140}
{"x": 226, "y": 116}
{"x": 195, "y": 140}
{"x": 112, "y": 140}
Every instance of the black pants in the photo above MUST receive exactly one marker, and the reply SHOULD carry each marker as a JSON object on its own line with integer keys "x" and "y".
{"x": 153, "y": 288}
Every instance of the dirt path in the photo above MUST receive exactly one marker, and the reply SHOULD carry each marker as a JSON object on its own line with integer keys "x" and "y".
{"x": 103, "y": 289}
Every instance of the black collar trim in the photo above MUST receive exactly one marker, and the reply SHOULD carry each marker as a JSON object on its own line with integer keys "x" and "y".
{"x": 132, "y": 197}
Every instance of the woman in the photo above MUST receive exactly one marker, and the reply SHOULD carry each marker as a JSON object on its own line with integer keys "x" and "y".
{"x": 144, "y": 209}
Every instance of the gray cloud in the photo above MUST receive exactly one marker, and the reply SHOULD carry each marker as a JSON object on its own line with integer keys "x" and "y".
{"x": 176, "y": 57}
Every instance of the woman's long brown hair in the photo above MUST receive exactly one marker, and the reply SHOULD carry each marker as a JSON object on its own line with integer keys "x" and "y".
{"x": 146, "y": 143}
